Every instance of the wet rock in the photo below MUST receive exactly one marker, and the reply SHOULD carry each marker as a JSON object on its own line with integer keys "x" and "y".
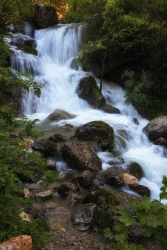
{"x": 85, "y": 179}
{"x": 114, "y": 176}
{"x": 80, "y": 157}
{"x": 135, "y": 120}
{"x": 140, "y": 189}
{"x": 89, "y": 91}
{"x": 59, "y": 114}
{"x": 31, "y": 43}
{"x": 110, "y": 109}
{"x": 135, "y": 169}
{"x": 51, "y": 163}
{"x": 161, "y": 141}
{"x": 65, "y": 188}
{"x": 83, "y": 216}
{"x": 23, "y": 242}
{"x": 45, "y": 195}
{"x": 98, "y": 131}
{"x": 57, "y": 138}
{"x": 157, "y": 128}
{"x": 45, "y": 147}
{"x": 45, "y": 16}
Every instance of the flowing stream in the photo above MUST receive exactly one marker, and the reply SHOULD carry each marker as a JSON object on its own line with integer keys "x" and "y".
{"x": 55, "y": 67}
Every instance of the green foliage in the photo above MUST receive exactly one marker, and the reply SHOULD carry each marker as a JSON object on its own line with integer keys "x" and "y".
{"x": 14, "y": 11}
{"x": 163, "y": 194}
{"x": 4, "y": 52}
{"x": 142, "y": 92}
{"x": 16, "y": 164}
{"x": 130, "y": 35}
{"x": 21, "y": 80}
{"x": 151, "y": 216}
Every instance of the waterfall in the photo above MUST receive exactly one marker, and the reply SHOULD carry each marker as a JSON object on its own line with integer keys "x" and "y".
{"x": 55, "y": 67}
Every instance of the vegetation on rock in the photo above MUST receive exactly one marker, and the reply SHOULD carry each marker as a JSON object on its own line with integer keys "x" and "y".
{"x": 130, "y": 35}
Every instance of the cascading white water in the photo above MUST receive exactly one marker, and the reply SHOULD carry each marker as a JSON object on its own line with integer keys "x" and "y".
{"x": 55, "y": 67}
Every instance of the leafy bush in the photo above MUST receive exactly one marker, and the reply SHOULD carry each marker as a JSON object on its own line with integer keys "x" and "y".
{"x": 151, "y": 216}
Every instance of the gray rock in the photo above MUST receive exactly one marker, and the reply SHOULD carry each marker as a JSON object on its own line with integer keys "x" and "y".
{"x": 157, "y": 128}
{"x": 83, "y": 216}
{"x": 135, "y": 169}
{"x": 46, "y": 147}
{"x": 80, "y": 157}
{"x": 140, "y": 189}
{"x": 65, "y": 188}
{"x": 59, "y": 114}
{"x": 110, "y": 109}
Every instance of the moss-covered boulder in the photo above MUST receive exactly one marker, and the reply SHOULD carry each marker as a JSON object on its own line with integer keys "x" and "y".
{"x": 98, "y": 131}
{"x": 45, "y": 16}
{"x": 89, "y": 91}
{"x": 106, "y": 202}
{"x": 80, "y": 157}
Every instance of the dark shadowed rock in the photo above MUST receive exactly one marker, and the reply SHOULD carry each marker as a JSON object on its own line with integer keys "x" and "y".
{"x": 59, "y": 114}
{"x": 80, "y": 157}
{"x": 110, "y": 109}
{"x": 140, "y": 189}
{"x": 89, "y": 91}
{"x": 98, "y": 131}
{"x": 161, "y": 141}
{"x": 135, "y": 169}
{"x": 83, "y": 216}
{"x": 45, "y": 16}
{"x": 65, "y": 188}
{"x": 57, "y": 138}
{"x": 114, "y": 176}
{"x": 85, "y": 179}
{"x": 157, "y": 128}
{"x": 45, "y": 147}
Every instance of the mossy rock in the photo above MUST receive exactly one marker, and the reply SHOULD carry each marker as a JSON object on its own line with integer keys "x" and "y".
{"x": 90, "y": 92}
{"x": 27, "y": 49}
{"x": 106, "y": 201}
{"x": 98, "y": 131}
{"x": 103, "y": 197}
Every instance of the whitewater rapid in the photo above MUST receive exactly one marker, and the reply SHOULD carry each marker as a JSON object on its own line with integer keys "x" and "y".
{"x": 56, "y": 68}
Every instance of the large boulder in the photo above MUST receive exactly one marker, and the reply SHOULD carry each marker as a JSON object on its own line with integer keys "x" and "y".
{"x": 114, "y": 176}
{"x": 157, "y": 128}
{"x": 59, "y": 114}
{"x": 135, "y": 169}
{"x": 80, "y": 157}
{"x": 45, "y": 16}
{"x": 23, "y": 242}
{"x": 48, "y": 148}
{"x": 140, "y": 189}
{"x": 89, "y": 91}
{"x": 98, "y": 131}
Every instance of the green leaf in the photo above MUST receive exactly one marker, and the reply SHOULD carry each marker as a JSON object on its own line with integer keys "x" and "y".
{"x": 127, "y": 218}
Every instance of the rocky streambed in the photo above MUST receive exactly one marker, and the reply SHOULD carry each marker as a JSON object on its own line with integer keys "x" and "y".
{"x": 74, "y": 204}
